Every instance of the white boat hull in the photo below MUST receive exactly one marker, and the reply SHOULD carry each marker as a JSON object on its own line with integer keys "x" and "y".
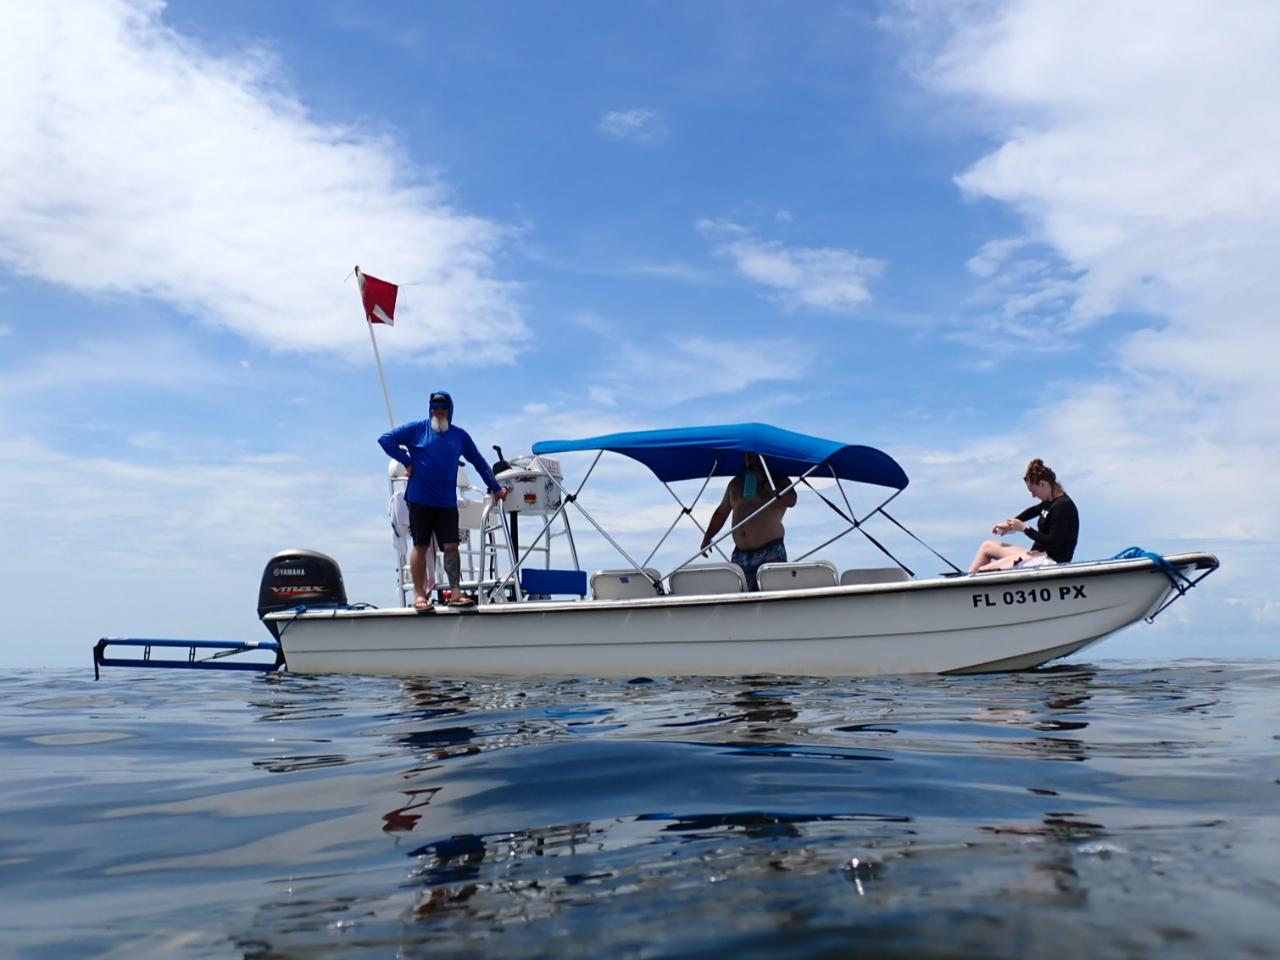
{"x": 987, "y": 622}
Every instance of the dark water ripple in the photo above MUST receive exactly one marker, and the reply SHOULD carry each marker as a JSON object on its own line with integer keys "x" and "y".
{"x": 1126, "y": 810}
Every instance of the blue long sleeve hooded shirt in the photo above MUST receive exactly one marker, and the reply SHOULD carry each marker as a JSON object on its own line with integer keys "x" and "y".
{"x": 434, "y": 458}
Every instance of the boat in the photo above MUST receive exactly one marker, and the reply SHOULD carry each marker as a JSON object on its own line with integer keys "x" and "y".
{"x": 534, "y": 618}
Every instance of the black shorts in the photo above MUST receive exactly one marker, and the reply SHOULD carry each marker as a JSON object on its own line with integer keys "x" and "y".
{"x": 425, "y": 520}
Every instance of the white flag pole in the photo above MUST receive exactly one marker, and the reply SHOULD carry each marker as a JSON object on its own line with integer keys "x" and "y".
{"x": 376, "y": 357}
{"x": 401, "y": 559}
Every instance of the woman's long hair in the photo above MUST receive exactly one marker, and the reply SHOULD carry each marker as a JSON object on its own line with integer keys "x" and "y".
{"x": 1038, "y": 472}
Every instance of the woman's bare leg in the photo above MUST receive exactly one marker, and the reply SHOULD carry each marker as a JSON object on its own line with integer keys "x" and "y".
{"x": 993, "y": 552}
{"x": 1004, "y": 563}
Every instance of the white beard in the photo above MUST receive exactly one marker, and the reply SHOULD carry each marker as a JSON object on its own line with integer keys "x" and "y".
{"x": 440, "y": 424}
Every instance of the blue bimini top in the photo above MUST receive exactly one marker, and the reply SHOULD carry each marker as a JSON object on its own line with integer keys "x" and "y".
{"x": 687, "y": 453}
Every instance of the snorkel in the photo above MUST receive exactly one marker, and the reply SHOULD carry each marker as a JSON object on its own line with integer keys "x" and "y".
{"x": 750, "y": 481}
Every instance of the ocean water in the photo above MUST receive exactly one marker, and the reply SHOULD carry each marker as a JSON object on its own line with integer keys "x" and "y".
{"x": 1108, "y": 809}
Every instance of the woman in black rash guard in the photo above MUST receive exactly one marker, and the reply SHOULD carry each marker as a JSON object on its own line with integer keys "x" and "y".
{"x": 1053, "y": 541}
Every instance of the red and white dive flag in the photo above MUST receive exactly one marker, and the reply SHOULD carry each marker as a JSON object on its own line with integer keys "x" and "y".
{"x": 379, "y": 298}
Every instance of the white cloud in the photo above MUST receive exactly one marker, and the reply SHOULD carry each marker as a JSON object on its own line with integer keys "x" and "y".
{"x": 674, "y": 270}
{"x": 1026, "y": 300}
{"x": 602, "y": 396}
{"x": 592, "y": 322}
{"x": 118, "y": 547}
{"x": 993, "y": 255}
{"x": 638, "y": 125}
{"x": 826, "y": 279}
{"x": 650, "y": 375}
{"x": 1140, "y": 142}
{"x": 159, "y": 361}
{"x": 690, "y": 367}
{"x": 135, "y": 162}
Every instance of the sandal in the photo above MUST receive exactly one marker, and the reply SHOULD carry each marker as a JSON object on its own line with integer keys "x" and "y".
{"x": 421, "y": 604}
{"x": 461, "y": 600}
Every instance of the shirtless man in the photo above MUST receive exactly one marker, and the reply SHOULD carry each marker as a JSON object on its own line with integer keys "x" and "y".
{"x": 758, "y": 541}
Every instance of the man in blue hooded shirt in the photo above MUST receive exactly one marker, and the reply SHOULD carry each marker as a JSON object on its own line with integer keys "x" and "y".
{"x": 430, "y": 449}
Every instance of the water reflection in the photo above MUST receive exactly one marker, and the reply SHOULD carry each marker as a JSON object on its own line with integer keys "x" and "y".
{"x": 405, "y": 817}
{"x": 713, "y": 814}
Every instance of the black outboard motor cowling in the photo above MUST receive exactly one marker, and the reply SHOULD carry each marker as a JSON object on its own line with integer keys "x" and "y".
{"x": 296, "y": 577}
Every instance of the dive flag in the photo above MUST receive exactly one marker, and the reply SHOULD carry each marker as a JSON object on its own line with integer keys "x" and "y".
{"x": 379, "y": 299}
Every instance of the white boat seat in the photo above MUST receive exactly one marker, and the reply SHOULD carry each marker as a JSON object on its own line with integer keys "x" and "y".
{"x": 703, "y": 578}
{"x": 796, "y": 576}
{"x": 625, "y": 584}
{"x": 872, "y": 575}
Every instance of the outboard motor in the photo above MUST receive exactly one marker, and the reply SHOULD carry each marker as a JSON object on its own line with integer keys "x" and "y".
{"x": 296, "y": 577}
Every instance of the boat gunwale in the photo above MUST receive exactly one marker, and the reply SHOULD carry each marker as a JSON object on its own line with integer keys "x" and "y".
{"x": 1090, "y": 568}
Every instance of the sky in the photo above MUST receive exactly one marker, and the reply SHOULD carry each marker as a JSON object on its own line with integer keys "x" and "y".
{"x": 968, "y": 234}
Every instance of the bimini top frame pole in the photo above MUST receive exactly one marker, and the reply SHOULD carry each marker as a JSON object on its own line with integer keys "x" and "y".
{"x": 683, "y": 512}
{"x": 565, "y": 499}
{"x": 689, "y": 453}
{"x": 855, "y": 524}
{"x": 747, "y": 519}
{"x": 573, "y": 498}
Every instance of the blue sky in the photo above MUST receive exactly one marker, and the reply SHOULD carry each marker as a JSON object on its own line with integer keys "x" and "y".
{"x": 969, "y": 234}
